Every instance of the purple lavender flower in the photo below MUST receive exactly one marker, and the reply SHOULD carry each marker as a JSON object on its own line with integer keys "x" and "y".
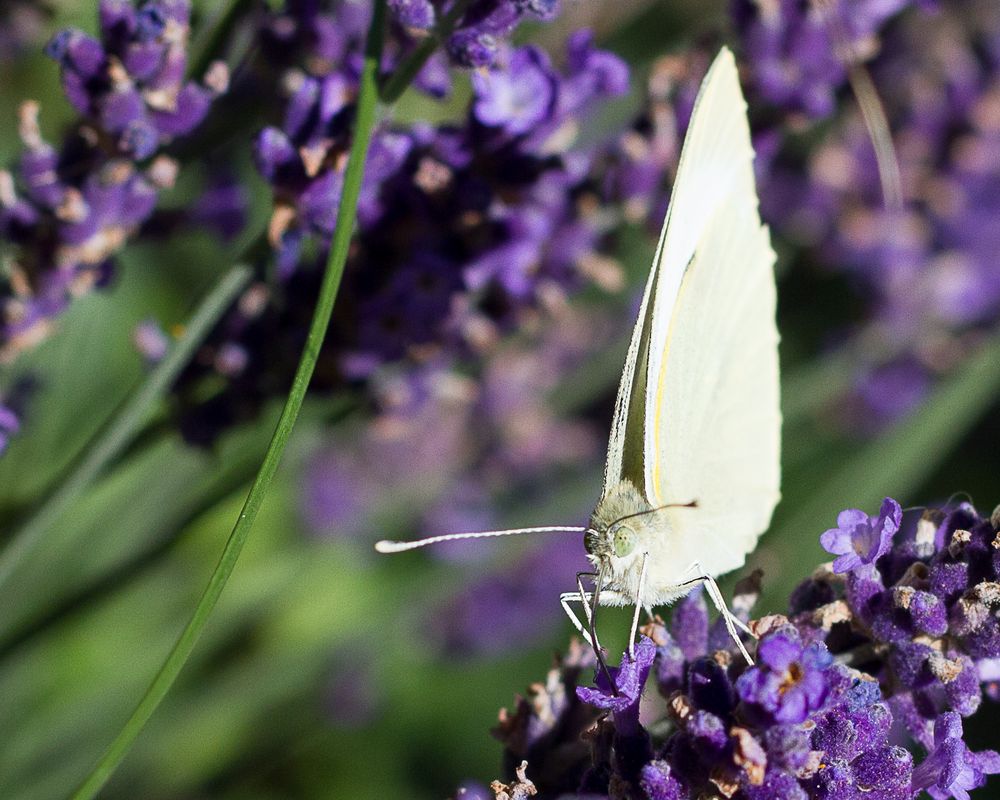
{"x": 951, "y": 769}
{"x": 68, "y": 211}
{"x": 520, "y": 96}
{"x": 788, "y": 683}
{"x": 629, "y": 679}
{"x": 861, "y": 539}
{"x": 479, "y": 35}
{"x": 131, "y": 84}
{"x": 899, "y": 643}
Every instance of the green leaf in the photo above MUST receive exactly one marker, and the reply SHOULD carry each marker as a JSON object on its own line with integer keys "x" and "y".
{"x": 124, "y": 425}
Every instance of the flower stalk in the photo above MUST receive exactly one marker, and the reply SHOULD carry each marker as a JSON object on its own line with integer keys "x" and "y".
{"x": 364, "y": 127}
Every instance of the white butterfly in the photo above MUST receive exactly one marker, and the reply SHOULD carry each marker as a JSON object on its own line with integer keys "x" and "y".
{"x": 692, "y": 474}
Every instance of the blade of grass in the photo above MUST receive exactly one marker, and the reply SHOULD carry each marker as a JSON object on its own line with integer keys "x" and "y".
{"x": 124, "y": 426}
{"x": 354, "y": 173}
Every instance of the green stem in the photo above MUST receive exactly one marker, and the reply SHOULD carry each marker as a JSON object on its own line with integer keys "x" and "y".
{"x": 401, "y": 78}
{"x": 209, "y": 41}
{"x": 124, "y": 425}
{"x": 364, "y": 127}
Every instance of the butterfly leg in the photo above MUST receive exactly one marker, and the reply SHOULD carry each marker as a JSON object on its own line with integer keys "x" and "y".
{"x": 638, "y": 607}
{"x": 588, "y": 632}
{"x": 564, "y": 600}
{"x": 730, "y": 619}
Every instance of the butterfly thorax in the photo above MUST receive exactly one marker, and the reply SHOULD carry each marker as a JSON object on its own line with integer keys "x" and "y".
{"x": 622, "y": 528}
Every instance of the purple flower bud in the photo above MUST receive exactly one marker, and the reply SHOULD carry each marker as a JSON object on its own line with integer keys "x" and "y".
{"x": 886, "y": 771}
{"x": 709, "y": 687}
{"x": 689, "y": 624}
{"x": 670, "y": 661}
{"x": 776, "y": 784}
{"x": 150, "y": 21}
{"x": 77, "y": 51}
{"x": 189, "y": 111}
{"x": 708, "y": 733}
{"x": 658, "y": 781}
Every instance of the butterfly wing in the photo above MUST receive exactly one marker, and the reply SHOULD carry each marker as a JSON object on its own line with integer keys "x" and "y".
{"x": 626, "y": 446}
{"x": 712, "y": 421}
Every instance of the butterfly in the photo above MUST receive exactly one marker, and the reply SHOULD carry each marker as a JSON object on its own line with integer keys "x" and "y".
{"x": 693, "y": 472}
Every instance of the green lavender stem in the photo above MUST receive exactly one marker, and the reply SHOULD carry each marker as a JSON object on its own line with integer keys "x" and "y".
{"x": 124, "y": 425}
{"x": 211, "y": 40}
{"x": 364, "y": 125}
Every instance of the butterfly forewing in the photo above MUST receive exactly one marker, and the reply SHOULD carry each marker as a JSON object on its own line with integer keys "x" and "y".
{"x": 712, "y": 418}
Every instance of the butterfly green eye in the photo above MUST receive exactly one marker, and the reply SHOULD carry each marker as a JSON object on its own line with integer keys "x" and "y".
{"x": 624, "y": 540}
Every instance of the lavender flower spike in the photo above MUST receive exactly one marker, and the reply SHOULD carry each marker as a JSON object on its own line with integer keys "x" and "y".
{"x": 858, "y": 693}
{"x": 860, "y": 539}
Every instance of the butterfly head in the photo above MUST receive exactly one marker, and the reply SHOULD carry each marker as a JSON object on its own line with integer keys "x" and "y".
{"x": 616, "y": 541}
{"x": 618, "y": 527}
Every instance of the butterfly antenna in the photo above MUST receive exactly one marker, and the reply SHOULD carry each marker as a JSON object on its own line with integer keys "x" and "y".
{"x": 386, "y": 546}
{"x": 691, "y": 504}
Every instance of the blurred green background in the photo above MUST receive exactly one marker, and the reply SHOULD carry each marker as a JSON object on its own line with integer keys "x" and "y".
{"x": 307, "y": 621}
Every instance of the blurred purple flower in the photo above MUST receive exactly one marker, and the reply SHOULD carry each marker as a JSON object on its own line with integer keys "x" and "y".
{"x": 799, "y": 52}
{"x": 10, "y": 424}
{"x": 151, "y": 341}
{"x": 518, "y": 97}
{"x": 928, "y": 270}
{"x": 514, "y": 605}
{"x": 22, "y": 26}
{"x": 465, "y": 231}
{"x": 68, "y": 211}
{"x": 222, "y": 206}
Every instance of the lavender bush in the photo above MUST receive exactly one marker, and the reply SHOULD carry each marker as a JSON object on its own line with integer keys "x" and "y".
{"x": 516, "y": 175}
